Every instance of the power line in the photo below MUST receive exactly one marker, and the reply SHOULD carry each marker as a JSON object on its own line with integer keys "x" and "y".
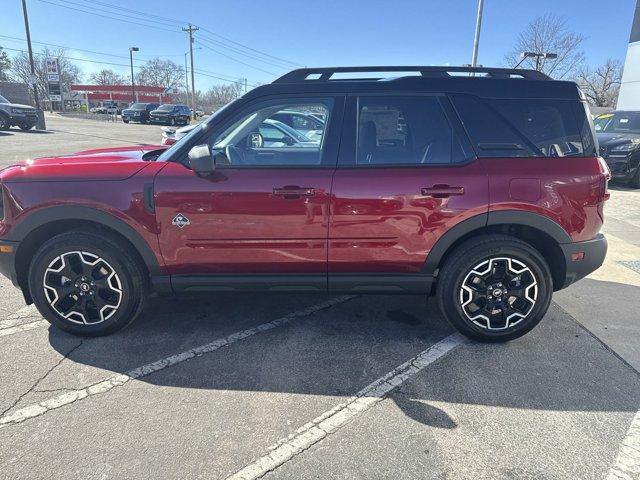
{"x": 205, "y": 73}
{"x": 107, "y": 16}
{"x": 173, "y": 20}
{"x": 244, "y": 54}
{"x": 234, "y": 59}
{"x": 46, "y": 44}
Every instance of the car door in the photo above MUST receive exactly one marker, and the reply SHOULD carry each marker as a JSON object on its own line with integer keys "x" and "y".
{"x": 263, "y": 210}
{"x": 406, "y": 174}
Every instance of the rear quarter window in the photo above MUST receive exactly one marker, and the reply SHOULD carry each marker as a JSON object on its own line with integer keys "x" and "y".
{"x": 523, "y": 127}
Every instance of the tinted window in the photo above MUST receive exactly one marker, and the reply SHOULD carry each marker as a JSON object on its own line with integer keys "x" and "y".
{"x": 258, "y": 139}
{"x": 402, "y": 131}
{"x": 622, "y": 122}
{"x": 520, "y": 127}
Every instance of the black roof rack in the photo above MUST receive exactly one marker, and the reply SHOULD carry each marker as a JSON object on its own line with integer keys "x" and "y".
{"x": 325, "y": 74}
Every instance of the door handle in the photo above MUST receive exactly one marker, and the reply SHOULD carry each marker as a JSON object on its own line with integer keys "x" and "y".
{"x": 291, "y": 192}
{"x": 441, "y": 191}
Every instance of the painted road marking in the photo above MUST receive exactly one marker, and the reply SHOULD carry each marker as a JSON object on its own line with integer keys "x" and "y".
{"x": 104, "y": 386}
{"x": 23, "y": 327}
{"x": 627, "y": 465}
{"x": 27, "y": 318}
{"x": 19, "y": 317}
{"x": 337, "y": 417}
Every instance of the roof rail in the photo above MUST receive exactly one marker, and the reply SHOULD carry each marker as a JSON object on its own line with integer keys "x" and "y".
{"x": 325, "y": 74}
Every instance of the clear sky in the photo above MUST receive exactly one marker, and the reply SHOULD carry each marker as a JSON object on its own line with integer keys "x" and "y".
{"x": 316, "y": 33}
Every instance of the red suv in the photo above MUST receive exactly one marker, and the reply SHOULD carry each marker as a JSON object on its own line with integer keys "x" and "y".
{"x": 481, "y": 186}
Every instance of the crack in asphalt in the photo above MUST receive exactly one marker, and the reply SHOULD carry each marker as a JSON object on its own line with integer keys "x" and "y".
{"x": 41, "y": 378}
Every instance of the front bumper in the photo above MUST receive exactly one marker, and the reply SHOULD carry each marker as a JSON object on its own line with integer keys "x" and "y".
{"x": 8, "y": 260}
{"x": 23, "y": 118}
{"x": 582, "y": 258}
{"x": 621, "y": 168}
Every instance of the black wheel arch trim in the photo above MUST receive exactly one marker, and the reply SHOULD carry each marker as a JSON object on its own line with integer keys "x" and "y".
{"x": 57, "y": 213}
{"x": 500, "y": 217}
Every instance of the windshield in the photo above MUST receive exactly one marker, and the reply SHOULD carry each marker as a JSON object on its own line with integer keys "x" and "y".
{"x": 166, "y": 108}
{"x": 138, "y": 106}
{"x": 620, "y": 122}
{"x": 187, "y": 138}
{"x": 3, "y": 100}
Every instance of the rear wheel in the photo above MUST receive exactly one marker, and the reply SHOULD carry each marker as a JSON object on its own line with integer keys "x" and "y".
{"x": 26, "y": 126}
{"x": 172, "y": 122}
{"x": 494, "y": 288}
{"x": 125, "y": 120}
{"x": 86, "y": 284}
{"x": 635, "y": 181}
{"x": 5, "y": 124}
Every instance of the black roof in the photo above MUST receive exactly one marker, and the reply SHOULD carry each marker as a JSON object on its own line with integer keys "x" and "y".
{"x": 480, "y": 81}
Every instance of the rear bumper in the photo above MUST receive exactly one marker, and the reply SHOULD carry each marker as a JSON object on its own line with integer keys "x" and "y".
{"x": 592, "y": 254}
{"x": 8, "y": 261}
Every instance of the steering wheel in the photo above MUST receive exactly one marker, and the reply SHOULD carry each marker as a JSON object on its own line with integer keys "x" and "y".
{"x": 234, "y": 154}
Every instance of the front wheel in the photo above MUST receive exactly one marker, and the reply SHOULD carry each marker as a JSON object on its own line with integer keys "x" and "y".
{"x": 494, "y": 288}
{"x": 635, "y": 181}
{"x": 87, "y": 284}
{"x": 26, "y": 126}
{"x": 5, "y": 124}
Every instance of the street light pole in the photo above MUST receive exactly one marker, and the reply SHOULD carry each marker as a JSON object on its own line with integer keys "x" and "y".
{"x": 41, "y": 123}
{"x": 133, "y": 85}
{"x": 190, "y": 29}
{"x": 476, "y": 38}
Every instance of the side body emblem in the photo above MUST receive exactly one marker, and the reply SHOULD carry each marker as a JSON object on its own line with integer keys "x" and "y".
{"x": 180, "y": 221}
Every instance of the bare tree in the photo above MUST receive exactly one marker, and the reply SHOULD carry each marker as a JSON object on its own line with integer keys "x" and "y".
{"x": 5, "y": 66}
{"x": 160, "y": 73}
{"x": 107, "y": 77}
{"x": 602, "y": 84}
{"x": 549, "y": 34}
{"x": 69, "y": 72}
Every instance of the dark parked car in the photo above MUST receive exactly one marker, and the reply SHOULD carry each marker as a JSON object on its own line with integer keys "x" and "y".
{"x": 23, "y": 116}
{"x": 169, "y": 114}
{"x": 138, "y": 112}
{"x": 619, "y": 138}
{"x": 486, "y": 191}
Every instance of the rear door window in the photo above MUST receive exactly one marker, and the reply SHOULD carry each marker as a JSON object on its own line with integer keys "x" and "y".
{"x": 403, "y": 130}
{"x": 521, "y": 127}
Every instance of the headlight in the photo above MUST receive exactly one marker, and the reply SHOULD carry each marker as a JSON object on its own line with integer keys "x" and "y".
{"x": 626, "y": 148}
{"x": 16, "y": 110}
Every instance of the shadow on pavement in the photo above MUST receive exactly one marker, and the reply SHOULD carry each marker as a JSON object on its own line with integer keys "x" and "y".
{"x": 340, "y": 350}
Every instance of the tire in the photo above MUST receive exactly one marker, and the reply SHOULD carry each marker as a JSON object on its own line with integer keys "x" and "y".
{"x": 26, "y": 126}
{"x": 74, "y": 274}
{"x": 504, "y": 311}
{"x": 5, "y": 123}
{"x": 125, "y": 120}
{"x": 172, "y": 122}
{"x": 635, "y": 181}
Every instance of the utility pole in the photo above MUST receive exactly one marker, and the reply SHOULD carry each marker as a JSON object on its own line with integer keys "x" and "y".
{"x": 186, "y": 74}
{"x": 476, "y": 38}
{"x": 133, "y": 84}
{"x": 192, "y": 29}
{"x": 41, "y": 123}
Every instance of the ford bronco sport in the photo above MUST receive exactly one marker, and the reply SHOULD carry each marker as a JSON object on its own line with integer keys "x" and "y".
{"x": 481, "y": 186}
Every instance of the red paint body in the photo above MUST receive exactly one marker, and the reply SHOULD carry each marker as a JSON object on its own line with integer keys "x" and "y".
{"x": 376, "y": 220}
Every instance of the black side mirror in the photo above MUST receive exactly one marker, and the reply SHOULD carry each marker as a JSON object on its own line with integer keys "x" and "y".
{"x": 201, "y": 160}
{"x": 288, "y": 141}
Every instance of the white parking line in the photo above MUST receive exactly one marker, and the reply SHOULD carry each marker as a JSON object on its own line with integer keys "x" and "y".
{"x": 23, "y": 327}
{"x": 27, "y": 318}
{"x": 627, "y": 465}
{"x": 71, "y": 396}
{"x": 19, "y": 316}
{"x": 337, "y": 417}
